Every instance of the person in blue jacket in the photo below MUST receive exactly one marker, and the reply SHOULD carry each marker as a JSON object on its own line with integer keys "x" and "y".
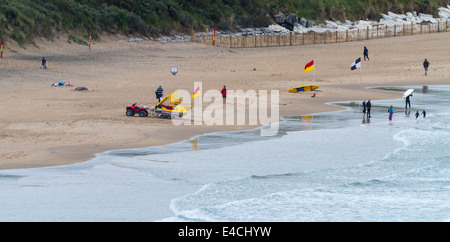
{"x": 391, "y": 112}
{"x": 366, "y": 53}
{"x": 159, "y": 93}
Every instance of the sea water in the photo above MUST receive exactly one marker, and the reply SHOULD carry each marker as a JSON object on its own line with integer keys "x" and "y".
{"x": 333, "y": 166}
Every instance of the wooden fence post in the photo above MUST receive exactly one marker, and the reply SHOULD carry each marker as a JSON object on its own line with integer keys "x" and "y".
{"x": 429, "y": 27}
{"x": 367, "y": 34}
{"x": 346, "y": 35}
{"x": 231, "y": 41}
{"x": 290, "y": 38}
{"x": 193, "y": 36}
{"x": 336, "y": 36}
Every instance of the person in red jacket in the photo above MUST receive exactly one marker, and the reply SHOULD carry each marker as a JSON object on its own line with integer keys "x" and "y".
{"x": 224, "y": 92}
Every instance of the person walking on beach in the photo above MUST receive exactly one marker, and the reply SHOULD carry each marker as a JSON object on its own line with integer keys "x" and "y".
{"x": 224, "y": 92}
{"x": 407, "y": 101}
{"x": 417, "y": 114}
{"x": 425, "y": 65}
{"x": 364, "y": 108}
{"x": 159, "y": 93}
{"x": 391, "y": 112}
{"x": 44, "y": 63}
{"x": 366, "y": 53}
{"x": 369, "y": 106}
{"x": 424, "y": 113}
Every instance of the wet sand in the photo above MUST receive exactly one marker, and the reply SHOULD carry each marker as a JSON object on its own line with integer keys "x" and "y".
{"x": 41, "y": 125}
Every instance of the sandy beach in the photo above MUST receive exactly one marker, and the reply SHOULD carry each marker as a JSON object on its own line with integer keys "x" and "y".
{"x": 43, "y": 125}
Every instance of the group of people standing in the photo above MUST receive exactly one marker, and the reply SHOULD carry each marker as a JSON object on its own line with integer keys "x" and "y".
{"x": 366, "y": 108}
{"x": 368, "y": 105}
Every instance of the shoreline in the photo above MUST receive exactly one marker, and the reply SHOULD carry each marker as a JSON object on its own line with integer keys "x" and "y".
{"x": 65, "y": 127}
{"x": 89, "y": 153}
{"x": 248, "y": 174}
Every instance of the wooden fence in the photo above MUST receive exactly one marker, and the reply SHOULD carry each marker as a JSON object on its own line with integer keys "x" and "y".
{"x": 292, "y": 38}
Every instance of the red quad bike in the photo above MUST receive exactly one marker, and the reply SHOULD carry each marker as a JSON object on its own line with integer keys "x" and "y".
{"x": 133, "y": 109}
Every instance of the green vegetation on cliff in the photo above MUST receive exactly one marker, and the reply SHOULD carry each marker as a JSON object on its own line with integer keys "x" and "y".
{"x": 22, "y": 20}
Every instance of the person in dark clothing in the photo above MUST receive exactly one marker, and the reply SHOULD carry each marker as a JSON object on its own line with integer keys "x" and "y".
{"x": 366, "y": 53}
{"x": 364, "y": 108}
{"x": 424, "y": 113}
{"x": 425, "y": 66}
{"x": 417, "y": 114}
{"x": 44, "y": 63}
{"x": 159, "y": 93}
{"x": 369, "y": 106}
{"x": 408, "y": 102}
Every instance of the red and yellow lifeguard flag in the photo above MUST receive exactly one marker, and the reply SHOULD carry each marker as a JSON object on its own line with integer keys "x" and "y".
{"x": 196, "y": 92}
{"x": 309, "y": 67}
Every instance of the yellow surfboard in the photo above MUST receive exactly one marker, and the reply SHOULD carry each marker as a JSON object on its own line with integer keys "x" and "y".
{"x": 304, "y": 88}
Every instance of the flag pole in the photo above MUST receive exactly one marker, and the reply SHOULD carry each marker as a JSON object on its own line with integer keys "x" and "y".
{"x": 314, "y": 73}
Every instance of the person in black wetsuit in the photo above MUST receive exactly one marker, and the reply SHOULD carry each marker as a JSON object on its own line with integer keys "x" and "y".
{"x": 408, "y": 102}
{"x": 424, "y": 113}
{"x": 364, "y": 108}
{"x": 369, "y": 106}
{"x": 426, "y": 64}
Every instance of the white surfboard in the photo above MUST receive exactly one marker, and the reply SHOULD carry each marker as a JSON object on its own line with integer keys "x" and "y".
{"x": 408, "y": 92}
